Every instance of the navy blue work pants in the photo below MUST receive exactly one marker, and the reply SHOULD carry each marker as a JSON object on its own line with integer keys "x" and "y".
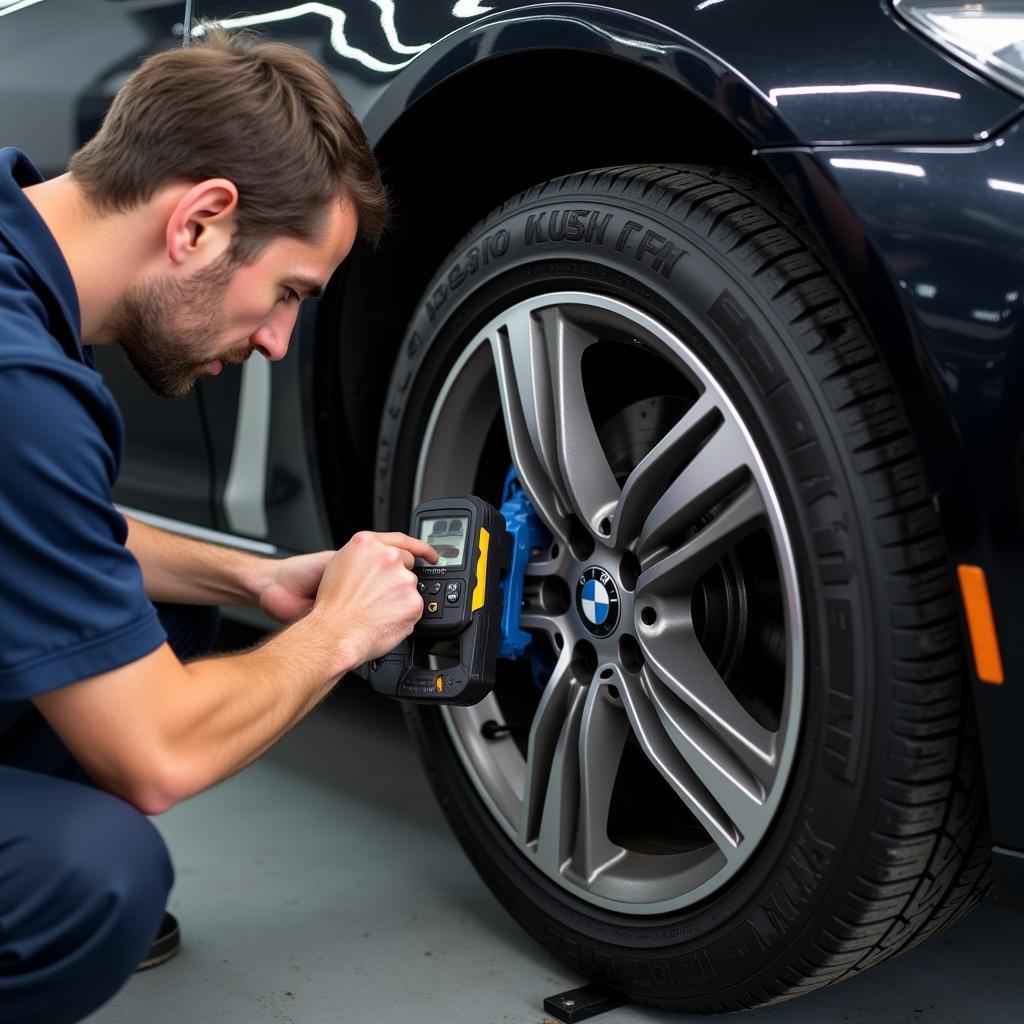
{"x": 84, "y": 876}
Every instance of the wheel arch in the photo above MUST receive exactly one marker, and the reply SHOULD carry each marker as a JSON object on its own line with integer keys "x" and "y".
{"x": 487, "y": 132}
{"x": 479, "y": 137}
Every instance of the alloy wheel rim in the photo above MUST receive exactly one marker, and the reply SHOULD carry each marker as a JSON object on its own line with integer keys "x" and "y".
{"x": 653, "y": 703}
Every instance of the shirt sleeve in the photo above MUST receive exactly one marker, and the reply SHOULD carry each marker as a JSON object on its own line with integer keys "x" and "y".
{"x": 72, "y": 603}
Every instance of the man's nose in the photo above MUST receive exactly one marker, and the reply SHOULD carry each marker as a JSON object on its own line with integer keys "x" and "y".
{"x": 271, "y": 340}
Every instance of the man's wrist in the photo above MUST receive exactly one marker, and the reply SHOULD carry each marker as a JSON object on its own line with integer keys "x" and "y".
{"x": 321, "y": 636}
{"x": 254, "y": 575}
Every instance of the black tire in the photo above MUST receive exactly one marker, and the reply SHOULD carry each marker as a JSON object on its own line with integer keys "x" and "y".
{"x": 881, "y": 840}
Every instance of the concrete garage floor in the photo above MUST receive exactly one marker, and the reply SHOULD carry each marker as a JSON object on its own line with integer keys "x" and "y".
{"x": 322, "y": 886}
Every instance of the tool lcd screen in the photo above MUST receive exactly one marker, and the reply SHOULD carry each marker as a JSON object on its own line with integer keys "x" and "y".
{"x": 447, "y": 536}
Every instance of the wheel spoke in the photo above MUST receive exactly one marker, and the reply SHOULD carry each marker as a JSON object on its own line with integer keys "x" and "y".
{"x": 573, "y": 756}
{"x": 672, "y": 766}
{"x": 711, "y": 475}
{"x": 528, "y": 407}
{"x": 603, "y": 732}
{"x": 588, "y": 479}
{"x": 677, "y": 659}
{"x": 547, "y": 624}
{"x": 655, "y": 471}
{"x": 736, "y": 790}
{"x": 540, "y": 567}
{"x": 545, "y": 734}
{"x": 562, "y": 795}
{"x": 677, "y": 572}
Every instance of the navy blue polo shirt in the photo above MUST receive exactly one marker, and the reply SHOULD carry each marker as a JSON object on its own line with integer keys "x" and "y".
{"x": 72, "y": 603}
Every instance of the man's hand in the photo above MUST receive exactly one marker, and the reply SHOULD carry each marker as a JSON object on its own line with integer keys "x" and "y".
{"x": 288, "y": 588}
{"x": 369, "y": 588}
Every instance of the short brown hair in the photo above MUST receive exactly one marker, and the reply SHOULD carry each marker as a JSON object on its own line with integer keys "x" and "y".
{"x": 262, "y": 114}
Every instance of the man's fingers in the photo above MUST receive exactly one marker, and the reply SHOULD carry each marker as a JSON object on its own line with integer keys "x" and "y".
{"x": 418, "y": 548}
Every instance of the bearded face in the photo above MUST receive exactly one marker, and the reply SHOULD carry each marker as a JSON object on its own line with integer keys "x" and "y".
{"x": 170, "y": 329}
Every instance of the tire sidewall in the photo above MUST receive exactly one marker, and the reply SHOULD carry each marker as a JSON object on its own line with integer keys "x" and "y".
{"x": 743, "y": 336}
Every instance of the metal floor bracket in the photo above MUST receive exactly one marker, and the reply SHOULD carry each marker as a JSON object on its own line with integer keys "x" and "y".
{"x": 581, "y": 1003}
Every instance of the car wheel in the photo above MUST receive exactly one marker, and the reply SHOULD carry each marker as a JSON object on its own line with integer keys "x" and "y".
{"x": 745, "y": 769}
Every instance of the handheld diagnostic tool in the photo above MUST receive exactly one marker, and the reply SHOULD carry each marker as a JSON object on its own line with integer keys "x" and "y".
{"x": 452, "y": 654}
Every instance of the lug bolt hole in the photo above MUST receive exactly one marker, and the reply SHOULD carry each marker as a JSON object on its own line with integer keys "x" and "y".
{"x": 554, "y": 550}
{"x": 559, "y": 641}
{"x": 555, "y": 597}
{"x": 630, "y": 655}
{"x": 604, "y": 527}
{"x": 607, "y": 674}
{"x": 648, "y": 616}
{"x": 584, "y": 661}
{"x": 581, "y": 543}
{"x": 629, "y": 571}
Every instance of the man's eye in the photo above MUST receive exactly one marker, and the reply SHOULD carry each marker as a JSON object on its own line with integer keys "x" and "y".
{"x": 290, "y": 295}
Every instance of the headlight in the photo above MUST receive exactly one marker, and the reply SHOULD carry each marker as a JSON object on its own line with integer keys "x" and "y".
{"x": 989, "y": 34}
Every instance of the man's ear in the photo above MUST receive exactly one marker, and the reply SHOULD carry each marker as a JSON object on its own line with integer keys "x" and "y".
{"x": 203, "y": 221}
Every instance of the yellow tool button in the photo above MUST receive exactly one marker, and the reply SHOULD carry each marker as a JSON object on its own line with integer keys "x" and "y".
{"x": 432, "y": 607}
{"x": 439, "y": 683}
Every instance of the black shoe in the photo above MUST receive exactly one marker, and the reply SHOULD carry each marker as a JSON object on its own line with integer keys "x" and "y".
{"x": 165, "y": 945}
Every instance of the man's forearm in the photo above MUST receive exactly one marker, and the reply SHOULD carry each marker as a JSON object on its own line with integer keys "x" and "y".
{"x": 155, "y": 731}
{"x": 244, "y": 703}
{"x": 185, "y": 571}
{"x": 182, "y": 728}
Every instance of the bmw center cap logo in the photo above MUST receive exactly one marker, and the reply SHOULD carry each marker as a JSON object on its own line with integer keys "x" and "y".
{"x": 597, "y": 601}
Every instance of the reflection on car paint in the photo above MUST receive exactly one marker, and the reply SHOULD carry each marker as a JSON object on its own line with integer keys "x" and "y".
{"x": 890, "y": 166}
{"x": 469, "y": 9}
{"x": 10, "y": 6}
{"x": 1006, "y": 186}
{"x": 338, "y": 40}
{"x": 836, "y": 90}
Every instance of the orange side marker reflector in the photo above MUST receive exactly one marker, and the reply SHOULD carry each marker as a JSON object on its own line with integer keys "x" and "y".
{"x": 980, "y": 624}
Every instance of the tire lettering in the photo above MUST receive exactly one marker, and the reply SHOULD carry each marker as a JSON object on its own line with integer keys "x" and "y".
{"x": 436, "y": 300}
{"x": 668, "y": 256}
{"x": 650, "y": 244}
{"x": 589, "y": 961}
{"x": 562, "y": 945}
{"x": 842, "y": 730}
{"x": 627, "y": 229}
{"x": 535, "y": 228}
{"x": 500, "y": 241}
{"x": 604, "y": 967}
{"x": 571, "y": 226}
{"x": 693, "y": 971}
{"x": 796, "y": 886}
{"x": 488, "y": 249}
{"x": 728, "y": 314}
{"x": 596, "y": 227}
{"x": 662, "y": 254}
{"x": 556, "y": 227}
{"x": 576, "y": 225}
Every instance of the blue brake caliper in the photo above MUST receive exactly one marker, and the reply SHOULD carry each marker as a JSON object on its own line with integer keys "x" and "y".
{"x": 527, "y": 533}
